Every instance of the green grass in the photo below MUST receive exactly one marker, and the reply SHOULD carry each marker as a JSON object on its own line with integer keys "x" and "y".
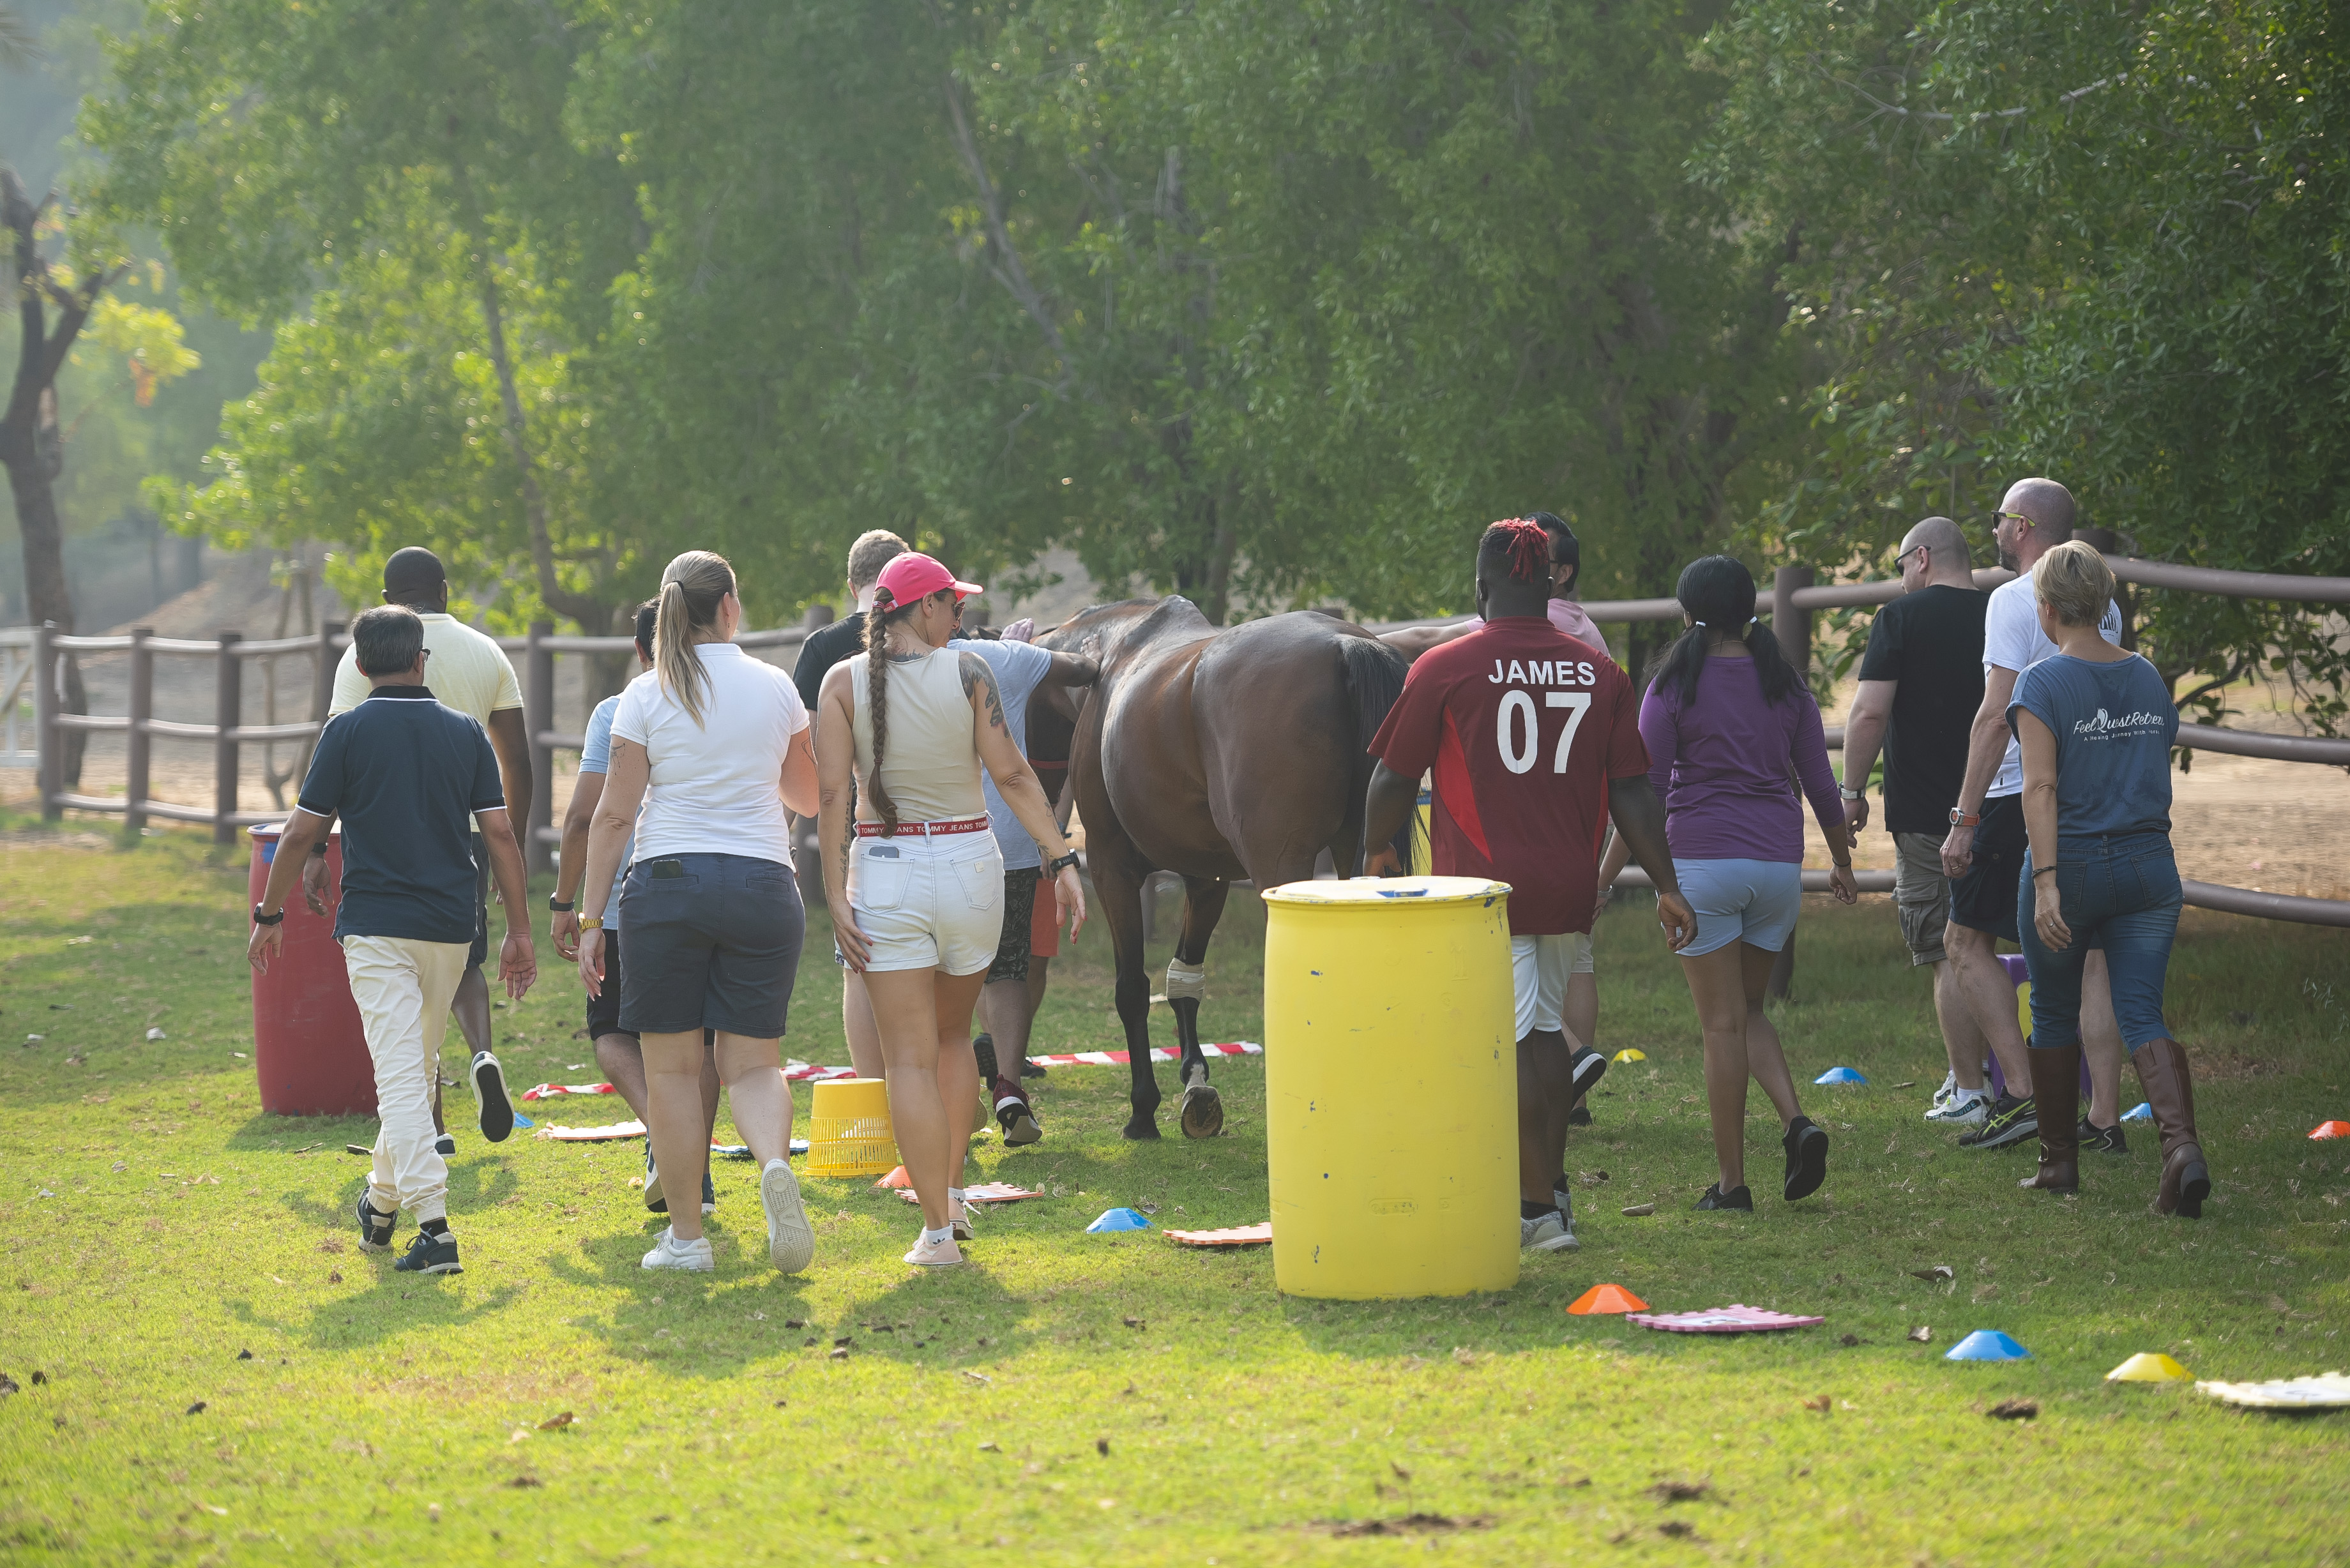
{"x": 156, "y": 1224}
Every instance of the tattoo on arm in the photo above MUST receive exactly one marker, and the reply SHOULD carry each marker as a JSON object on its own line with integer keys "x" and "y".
{"x": 976, "y": 674}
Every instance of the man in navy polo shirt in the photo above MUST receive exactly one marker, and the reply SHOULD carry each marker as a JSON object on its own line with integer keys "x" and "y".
{"x": 405, "y": 773}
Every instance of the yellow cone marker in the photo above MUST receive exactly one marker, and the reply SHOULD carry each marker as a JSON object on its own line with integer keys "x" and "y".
{"x": 2145, "y": 1368}
{"x": 1631, "y": 1056}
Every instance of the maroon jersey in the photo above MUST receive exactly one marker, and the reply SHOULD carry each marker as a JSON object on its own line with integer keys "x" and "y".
{"x": 1523, "y": 728}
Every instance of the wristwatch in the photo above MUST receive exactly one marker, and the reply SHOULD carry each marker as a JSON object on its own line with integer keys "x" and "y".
{"x": 1851, "y": 794}
{"x": 1053, "y": 867}
{"x": 261, "y": 919}
{"x": 319, "y": 849}
{"x": 591, "y": 922}
{"x": 1964, "y": 819}
{"x": 561, "y": 906}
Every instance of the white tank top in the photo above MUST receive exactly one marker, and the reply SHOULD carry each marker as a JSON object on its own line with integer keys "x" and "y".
{"x": 930, "y": 767}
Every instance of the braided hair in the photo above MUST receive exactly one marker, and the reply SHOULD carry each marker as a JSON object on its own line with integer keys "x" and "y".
{"x": 1520, "y": 547}
{"x": 886, "y": 613}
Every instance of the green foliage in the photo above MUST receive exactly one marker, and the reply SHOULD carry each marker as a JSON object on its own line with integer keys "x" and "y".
{"x": 2098, "y": 241}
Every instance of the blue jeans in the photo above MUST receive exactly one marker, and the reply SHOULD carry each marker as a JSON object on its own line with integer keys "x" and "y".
{"x": 2120, "y": 893}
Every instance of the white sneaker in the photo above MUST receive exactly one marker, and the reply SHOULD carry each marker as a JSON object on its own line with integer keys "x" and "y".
{"x": 959, "y": 1218}
{"x": 940, "y": 1254}
{"x": 791, "y": 1244}
{"x": 669, "y": 1252}
{"x": 1966, "y": 1108}
{"x": 1942, "y": 1095}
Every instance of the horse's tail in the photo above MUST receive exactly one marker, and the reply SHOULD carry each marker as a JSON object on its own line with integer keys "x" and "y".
{"x": 1375, "y": 674}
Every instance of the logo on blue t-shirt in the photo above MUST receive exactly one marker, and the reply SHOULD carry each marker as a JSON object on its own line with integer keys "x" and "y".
{"x": 2104, "y": 726}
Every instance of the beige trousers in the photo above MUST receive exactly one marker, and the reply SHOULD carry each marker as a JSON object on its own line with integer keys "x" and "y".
{"x": 403, "y": 987}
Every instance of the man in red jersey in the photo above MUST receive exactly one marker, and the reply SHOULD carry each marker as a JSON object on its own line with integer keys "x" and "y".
{"x": 1533, "y": 740}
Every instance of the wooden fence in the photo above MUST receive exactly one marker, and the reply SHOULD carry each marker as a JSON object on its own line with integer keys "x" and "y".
{"x": 1795, "y": 597}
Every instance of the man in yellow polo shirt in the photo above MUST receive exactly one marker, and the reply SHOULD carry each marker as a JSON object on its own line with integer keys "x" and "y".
{"x": 471, "y": 673}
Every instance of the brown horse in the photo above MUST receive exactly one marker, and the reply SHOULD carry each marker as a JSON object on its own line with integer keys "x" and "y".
{"x": 1218, "y": 754}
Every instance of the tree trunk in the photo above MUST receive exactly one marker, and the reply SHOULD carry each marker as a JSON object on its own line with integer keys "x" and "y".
{"x": 46, "y": 595}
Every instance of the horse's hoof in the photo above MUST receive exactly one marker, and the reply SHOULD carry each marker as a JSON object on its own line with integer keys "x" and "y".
{"x": 1142, "y": 1127}
{"x": 1204, "y": 1112}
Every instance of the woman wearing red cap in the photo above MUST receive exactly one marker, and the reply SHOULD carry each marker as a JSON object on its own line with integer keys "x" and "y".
{"x": 915, "y": 882}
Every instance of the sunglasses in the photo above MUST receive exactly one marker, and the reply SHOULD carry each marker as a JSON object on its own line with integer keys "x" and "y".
{"x": 1998, "y": 517}
{"x": 1923, "y": 552}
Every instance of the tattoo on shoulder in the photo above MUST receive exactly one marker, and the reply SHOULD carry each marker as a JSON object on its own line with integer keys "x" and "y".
{"x": 978, "y": 674}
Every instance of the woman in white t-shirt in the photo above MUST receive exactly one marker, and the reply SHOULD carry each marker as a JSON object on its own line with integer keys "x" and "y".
{"x": 916, "y": 882}
{"x": 711, "y": 907}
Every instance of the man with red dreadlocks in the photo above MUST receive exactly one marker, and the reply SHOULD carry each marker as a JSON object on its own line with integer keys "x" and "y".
{"x": 1534, "y": 740}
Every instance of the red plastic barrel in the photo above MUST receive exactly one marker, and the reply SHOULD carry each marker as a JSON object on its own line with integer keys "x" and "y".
{"x": 309, "y": 1049}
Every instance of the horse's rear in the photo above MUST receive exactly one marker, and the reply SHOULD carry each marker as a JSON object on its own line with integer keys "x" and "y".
{"x": 1216, "y": 754}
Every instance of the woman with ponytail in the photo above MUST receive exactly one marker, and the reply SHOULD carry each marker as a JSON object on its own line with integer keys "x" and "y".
{"x": 1728, "y": 723}
{"x": 912, "y": 870}
{"x": 708, "y": 747}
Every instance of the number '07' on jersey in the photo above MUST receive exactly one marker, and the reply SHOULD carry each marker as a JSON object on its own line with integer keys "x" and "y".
{"x": 1521, "y": 729}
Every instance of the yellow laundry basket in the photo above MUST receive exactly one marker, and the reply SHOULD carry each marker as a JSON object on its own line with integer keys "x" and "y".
{"x": 1391, "y": 1087}
{"x": 848, "y": 1130}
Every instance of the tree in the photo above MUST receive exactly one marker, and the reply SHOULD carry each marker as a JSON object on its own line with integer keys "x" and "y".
{"x": 31, "y": 446}
{"x": 2096, "y": 242}
{"x": 398, "y": 192}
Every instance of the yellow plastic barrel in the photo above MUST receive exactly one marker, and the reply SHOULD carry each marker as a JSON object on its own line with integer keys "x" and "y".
{"x": 848, "y": 1130}
{"x": 1391, "y": 1087}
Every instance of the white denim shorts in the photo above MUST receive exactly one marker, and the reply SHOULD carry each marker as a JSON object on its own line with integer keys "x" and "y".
{"x": 1538, "y": 970}
{"x": 929, "y": 903}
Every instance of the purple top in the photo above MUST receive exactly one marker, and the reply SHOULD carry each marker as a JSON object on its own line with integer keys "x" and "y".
{"x": 1721, "y": 766}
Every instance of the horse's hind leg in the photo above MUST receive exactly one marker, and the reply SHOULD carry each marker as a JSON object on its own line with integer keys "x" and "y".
{"x": 1118, "y": 875}
{"x": 1203, "y": 906}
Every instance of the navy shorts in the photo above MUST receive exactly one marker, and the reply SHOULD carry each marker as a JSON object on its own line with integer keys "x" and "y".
{"x": 713, "y": 943}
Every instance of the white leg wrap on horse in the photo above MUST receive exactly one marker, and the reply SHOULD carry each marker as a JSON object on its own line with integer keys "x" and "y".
{"x": 1186, "y": 980}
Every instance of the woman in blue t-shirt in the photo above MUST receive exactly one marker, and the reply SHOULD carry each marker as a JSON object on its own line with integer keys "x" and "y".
{"x": 2096, "y": 724}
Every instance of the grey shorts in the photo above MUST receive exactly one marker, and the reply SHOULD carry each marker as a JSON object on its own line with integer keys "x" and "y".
{"x": 713, "y": 943}
{"x": 1921, "y": 893}
{"x": 1750, "y": 901}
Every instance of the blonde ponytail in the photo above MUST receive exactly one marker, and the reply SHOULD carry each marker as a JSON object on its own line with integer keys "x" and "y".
{"x": 691, "y": 590}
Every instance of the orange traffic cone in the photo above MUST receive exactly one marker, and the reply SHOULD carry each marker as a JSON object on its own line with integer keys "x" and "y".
{"x": 1606, "y": 1299}
{"x": 896, "y": 1181}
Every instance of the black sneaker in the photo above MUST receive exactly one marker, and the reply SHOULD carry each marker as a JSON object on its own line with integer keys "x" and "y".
{"x": 655, "y": 1198}
{"x": 496, "y": 1112}
{"x": 1807, "y": 1158}
{"x": 1013, "y": 1114}
{"x": 708, "y": 1195}
{"x": 2106, "y": 1140}
{"x": 983, "y": 1048}
{"x": 1579, "y": 1117}
{"x": 1739, "y": 1198}
{"x": 431, "y": 1255}
{"x": 1032, "y": 1069}
{"x": 2010, "y": 1122}
{"x": 445, "y": 1145}
{"x": 1588, "y": 1067}
{"x": 375, "y": 1226}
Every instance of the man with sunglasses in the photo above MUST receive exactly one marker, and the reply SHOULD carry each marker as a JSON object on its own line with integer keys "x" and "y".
{"x": 1921, "y": 682}
{"x": 1983, "y": 852}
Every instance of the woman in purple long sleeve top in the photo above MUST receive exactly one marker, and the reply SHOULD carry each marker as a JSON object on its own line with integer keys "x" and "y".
{"x": 1729, "y": 724}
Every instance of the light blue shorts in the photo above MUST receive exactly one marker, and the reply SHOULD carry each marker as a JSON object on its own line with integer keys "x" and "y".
{"x": 1752, "y": 901}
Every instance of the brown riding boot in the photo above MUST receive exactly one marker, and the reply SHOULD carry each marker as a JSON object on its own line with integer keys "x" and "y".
{"x": 2057, "y": 1089}
{"x": 2170, "y": 1093}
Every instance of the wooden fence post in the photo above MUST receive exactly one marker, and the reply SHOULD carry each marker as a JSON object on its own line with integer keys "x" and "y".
{"x": 228, "y": 713}
{"x": 141, "y": 744}
{"x": 323, "y": 665}
{"x": 49, "y": 772}
{"x": 1792, "y": 627}
{"x": 538, "y": 721}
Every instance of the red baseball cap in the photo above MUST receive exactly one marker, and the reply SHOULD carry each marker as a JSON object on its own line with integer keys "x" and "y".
{"x": 913, "y": 576}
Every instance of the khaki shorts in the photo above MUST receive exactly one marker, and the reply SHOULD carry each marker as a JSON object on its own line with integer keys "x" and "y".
{"x": 1538, "y": 970}
{"x": 1922, "y": 894}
